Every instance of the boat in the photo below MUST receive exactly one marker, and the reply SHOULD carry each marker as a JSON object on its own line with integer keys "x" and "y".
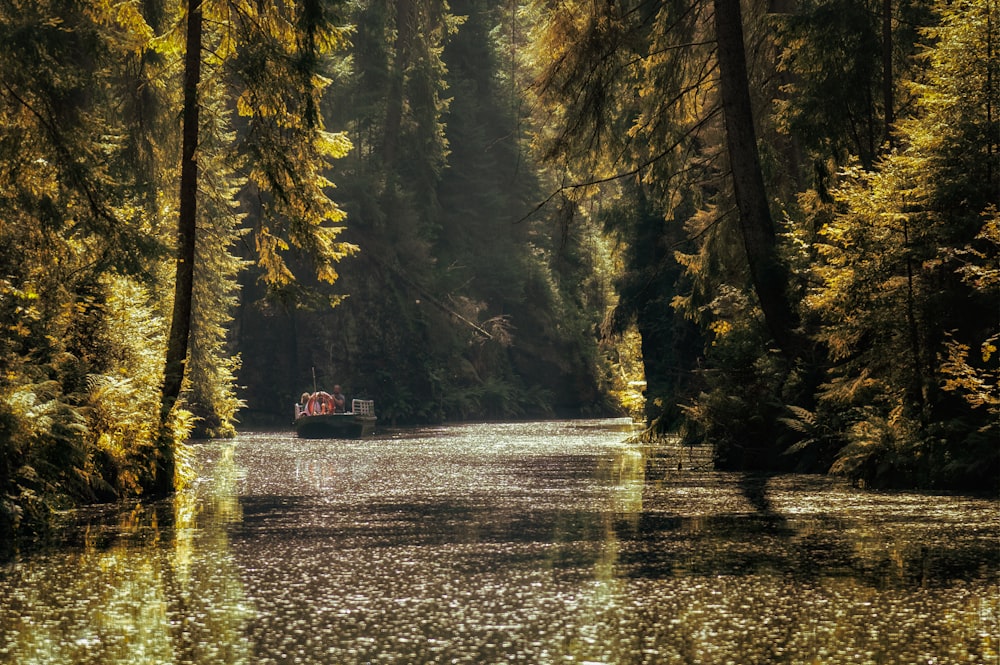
{"x": 353, "y": 424}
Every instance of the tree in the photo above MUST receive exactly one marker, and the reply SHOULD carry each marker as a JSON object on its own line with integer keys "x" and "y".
{"x": 87, "y": 97}
{"x": 80, "y": 256}
{"x": 904, "y": 293}
{"x": 636, "y": 91}
{"x": 180, "y": 322}
{"x": 455, "y": 310}
{"x": 273, "y": 55}
{"x": 649, "y": 282}
{"x": 843, "y": 63}
{"x": 768, "y": 272}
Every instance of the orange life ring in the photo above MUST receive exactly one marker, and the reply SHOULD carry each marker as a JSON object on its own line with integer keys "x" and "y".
{"x": 319, "y": 404}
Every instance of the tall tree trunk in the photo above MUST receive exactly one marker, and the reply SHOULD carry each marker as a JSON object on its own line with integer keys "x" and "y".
{"x": 994, "y": 134}
{"x": 180, "y": 324}
{"x": 888, "y": 100}
{"x": 917, "y": 389}
{"x": 394, "y": 102}
{"x": 768, "y": 273}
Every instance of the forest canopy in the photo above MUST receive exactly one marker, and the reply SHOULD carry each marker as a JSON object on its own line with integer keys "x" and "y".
{"x": 782, "y": 219}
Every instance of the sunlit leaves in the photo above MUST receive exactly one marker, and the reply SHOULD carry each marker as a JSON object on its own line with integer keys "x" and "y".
{"x": 976, "y": 379}
{"x": 979, "y": 266}
{"x": 88, "y": 160}
{"x": 333, "y": 145}
{"x": 907, "y": 288}
{"x": 956, "y": 135}
{"x": 274, "y": 55}
{"x": 975, "y": 374}
{"x": 268, "y": 248}
{"x": 76, "y": 216}
{"x": 126, "y": 17}
{"x": 211, "y": 369}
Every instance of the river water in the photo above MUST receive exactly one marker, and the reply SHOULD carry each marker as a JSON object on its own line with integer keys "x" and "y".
{"x": 550, "y": 542}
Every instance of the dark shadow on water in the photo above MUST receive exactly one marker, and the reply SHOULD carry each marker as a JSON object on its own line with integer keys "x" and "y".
{"x": 754, "y": 489}
{"x": 658, "y": 546}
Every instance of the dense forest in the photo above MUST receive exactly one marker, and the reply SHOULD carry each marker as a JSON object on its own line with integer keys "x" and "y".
{"x": 779, "y": 217}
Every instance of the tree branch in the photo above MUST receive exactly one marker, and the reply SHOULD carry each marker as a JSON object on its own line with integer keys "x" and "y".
{"x": 625, "y": 174}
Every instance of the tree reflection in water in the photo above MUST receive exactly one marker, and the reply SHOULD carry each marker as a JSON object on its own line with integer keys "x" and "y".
{"x": 159, "y": 586}
{"x": 529, "y": 542}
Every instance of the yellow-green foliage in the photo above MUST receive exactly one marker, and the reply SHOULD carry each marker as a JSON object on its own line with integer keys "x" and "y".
{"x": 123, "y": 400}
{"x": 907, "y": 286}
{"x": 976, "y": 375}
{"x": 89, "y": 434}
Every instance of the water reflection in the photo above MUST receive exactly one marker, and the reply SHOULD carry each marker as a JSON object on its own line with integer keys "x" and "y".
{"x": 158, "y": 585}
{"x": 535, "y": 543}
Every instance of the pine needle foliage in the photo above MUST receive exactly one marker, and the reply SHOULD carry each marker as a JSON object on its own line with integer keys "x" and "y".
{"x": 79, "y": 246}
{"x": 906, "y": 290}
{"x": 89, "y": 95}
{"x": 274, "y": 56}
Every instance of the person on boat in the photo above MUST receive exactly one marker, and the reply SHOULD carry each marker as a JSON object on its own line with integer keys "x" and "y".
{"x": 303, "y": 404}
{"x": 339, "y": 401}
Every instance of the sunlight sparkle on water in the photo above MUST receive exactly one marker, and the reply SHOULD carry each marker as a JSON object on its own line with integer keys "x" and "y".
{"x": 516, "y": 543}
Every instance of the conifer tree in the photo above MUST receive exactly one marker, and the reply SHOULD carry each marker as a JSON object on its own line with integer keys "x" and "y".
{"x": 641, "y": 90}
{"x": 767, "y": 270}
{"x": 88, "y": 94}
{"x": 81, "y": 249}
{"x": 271, "y": 56}
{"x": 902, "y": 274}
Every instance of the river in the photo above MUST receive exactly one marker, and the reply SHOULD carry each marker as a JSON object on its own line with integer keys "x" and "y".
{"x": 545, "y": 542}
